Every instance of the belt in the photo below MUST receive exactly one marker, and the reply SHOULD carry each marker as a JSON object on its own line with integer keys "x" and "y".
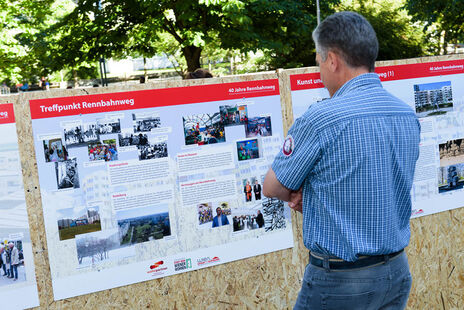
{"x": 361, "y": 262}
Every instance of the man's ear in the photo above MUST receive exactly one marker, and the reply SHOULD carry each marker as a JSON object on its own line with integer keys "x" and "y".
{"x": 333, "y": 61}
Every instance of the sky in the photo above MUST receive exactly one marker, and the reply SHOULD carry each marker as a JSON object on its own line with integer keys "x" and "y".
{"x": 436, "y": 85}
{"x": 138, "y": 212}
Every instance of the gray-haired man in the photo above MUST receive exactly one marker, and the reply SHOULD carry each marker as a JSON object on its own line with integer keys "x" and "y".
{"x": 349, "y": 170}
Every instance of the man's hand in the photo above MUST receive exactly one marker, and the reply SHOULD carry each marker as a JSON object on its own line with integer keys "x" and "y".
{"x": 296, "y": 200}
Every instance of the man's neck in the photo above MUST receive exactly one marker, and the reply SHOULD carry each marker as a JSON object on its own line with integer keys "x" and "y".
{"x": 346, "y": 74}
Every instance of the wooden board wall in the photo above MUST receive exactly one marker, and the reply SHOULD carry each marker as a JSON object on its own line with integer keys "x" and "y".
{"x": 271, "y": 281}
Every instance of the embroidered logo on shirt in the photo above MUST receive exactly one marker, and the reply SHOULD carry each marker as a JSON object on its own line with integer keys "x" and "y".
{"x": 287, "y": 148}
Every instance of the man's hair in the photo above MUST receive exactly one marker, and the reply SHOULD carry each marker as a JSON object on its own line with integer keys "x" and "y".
{"x": 350, "y": 36}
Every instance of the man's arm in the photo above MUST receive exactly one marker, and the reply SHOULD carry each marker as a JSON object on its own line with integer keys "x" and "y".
{"x": 273, "y": 188}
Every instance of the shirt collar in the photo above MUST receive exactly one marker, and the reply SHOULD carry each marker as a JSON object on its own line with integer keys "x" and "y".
{"x": 366, "y": 79}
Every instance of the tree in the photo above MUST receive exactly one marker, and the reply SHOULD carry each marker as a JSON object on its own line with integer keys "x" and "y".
{"x": 22, "y": 47}
{"x": 125, "y": 27}
{"x": 441, "y": 20}
{"x": 398, "y": 37}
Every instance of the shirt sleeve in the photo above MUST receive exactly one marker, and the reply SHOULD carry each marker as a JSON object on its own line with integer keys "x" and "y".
{"x": 299, "y": 154}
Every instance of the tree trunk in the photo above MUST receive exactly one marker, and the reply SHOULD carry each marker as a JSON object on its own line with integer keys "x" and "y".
{"x": 145, "y": 73}
{"x": 75, "y": 78}
{"x": 192, "y": 56}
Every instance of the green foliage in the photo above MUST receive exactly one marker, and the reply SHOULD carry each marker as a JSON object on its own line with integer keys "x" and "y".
{"x": 398, "y": 37}
{"x": 22, "y": 44}
{"x": 440, "y": 19}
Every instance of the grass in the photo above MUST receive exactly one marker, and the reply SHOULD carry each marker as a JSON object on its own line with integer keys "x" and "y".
{"x": 71, "y": 232}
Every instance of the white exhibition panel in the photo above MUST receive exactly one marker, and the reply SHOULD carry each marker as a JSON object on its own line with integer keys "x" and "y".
{"x": 135, "y": 185}
{"x": 14, "y": 224}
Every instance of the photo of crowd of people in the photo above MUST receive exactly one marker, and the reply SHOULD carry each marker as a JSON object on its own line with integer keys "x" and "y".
{"x": 251, "y": 189}
{"x": 81, "y": 135}
{"x": 205, "y": 213}
{"x": 203, "y": 129}
{"x": 144, "y": 123}
{"x": 153, "y": 150}
{"x": 11, "y": 262}
{"x": 54, "y": 150}
{"x": 66, "y": 174}
{"x": 244, "y": 220}
{"x": 138, "y": 225}
{"x": 108, "y": 126}
{"x": 233, "y": 115}
{"x": 247, "y": 149}
{"x": 106, "y": 151}
{"x": 77, "y": 221}
{"x": 128, "y": 139}
{"x": 258, "y": 127}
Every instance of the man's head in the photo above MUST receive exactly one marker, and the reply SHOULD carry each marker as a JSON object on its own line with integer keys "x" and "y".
{"x": 346, "y": 46}
{"x": 351, "y": 36}
{"x": 11, "y": 245}
{"x": 218, "y": 211}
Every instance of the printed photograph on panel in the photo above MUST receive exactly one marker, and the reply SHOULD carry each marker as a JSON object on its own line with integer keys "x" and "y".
{"x": 258, "y": 127}
{"x": 106, "y": 151}
{"x": 108, "y": 126}
{"x": 451, "y": 152}
{"x": 54, "y": 150}
{"x": 77, "y": 221}
{"x": 145, "y": 123}
{"x": 251, "y": 189}
{"x": 450, "y": 178}
{"x": 101, "y": 246}
{"x": 151, "y": 150}
{"x": 66, "y": 174}
{"x": 128, "y": 139}
{"x": 432, "y": 99}
{"x": 144, "y": 224}
{"x": 234, "y": 114}
{"x": 222, "y": 215}
{"x": 80, "y": 135}
{"x": 205, "y": 214}
{"x": 203, "y": 129}
{"x": 247, "y": 149}
{"x": 274, "y": 214}
{"x": 12, "y": 261}
{"x": 247, "y": 219}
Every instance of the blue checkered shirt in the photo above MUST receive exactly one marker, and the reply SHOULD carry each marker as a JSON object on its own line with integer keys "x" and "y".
{"x": 354, "y": 155}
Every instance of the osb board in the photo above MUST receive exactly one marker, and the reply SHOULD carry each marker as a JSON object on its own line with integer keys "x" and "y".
{"x": 271, "y": 281}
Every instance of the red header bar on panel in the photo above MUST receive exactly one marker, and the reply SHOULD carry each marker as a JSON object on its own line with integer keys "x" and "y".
{"x": 6, "y": 113}
{"x": 306, "y": 81}
{"x": 388, "y": 73}
{"x": 111, "y": 102}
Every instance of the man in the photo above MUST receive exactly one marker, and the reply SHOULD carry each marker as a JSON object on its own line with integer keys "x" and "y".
{"x": 14, "y": 256}
{"x": 260, "y": 219}
{"x": 220, "y": 219}
{"x": 247, "y": 190}
{"x": 348, "y": 166}
{"x": 3, "y": 260}
{"x": 257, "y": 190}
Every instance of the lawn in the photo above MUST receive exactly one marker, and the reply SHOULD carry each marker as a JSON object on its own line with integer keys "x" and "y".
{"x": 71, "y": 232}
